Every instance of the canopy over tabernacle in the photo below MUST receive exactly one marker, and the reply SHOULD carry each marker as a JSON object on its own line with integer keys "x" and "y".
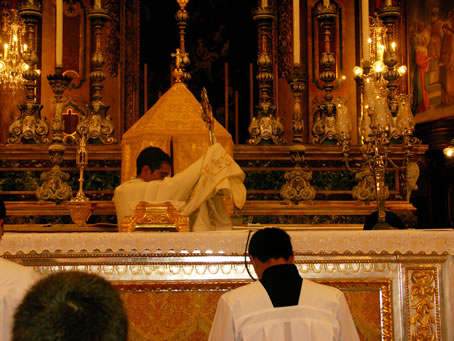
{"x": 175, "y": 125}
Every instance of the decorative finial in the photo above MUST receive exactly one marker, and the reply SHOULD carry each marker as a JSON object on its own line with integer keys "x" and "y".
{"x": 182, "y": 57}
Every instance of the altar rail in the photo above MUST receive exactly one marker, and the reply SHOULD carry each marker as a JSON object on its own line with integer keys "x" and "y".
{"x": 399, "y": 284}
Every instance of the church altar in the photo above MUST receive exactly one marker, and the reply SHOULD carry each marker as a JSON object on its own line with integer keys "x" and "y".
{"x": 399, "y": 284}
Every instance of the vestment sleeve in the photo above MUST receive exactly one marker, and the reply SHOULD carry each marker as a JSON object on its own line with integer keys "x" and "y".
{"x": 178, "y": 187}
{"x": 223, "y": 328}
{"x": 348, "y": 329}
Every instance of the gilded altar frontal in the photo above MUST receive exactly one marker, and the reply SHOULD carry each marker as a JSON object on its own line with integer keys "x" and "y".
{"x": 329, "y": 119}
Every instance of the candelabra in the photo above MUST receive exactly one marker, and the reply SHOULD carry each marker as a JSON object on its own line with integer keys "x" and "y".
{"x": 266, "y": 127}
{"x": 80, "y": 206}
{"x": 29, "y": 125}
{"x": 55, "y": 186}
{"x": 385, "y": 116}
{"x": 97, "y": 125}
{"x": 324, "y": 118}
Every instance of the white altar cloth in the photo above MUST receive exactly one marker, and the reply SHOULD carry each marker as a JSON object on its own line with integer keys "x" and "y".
{"x": 398, "y": 257}
{"x": 231, "y": 242}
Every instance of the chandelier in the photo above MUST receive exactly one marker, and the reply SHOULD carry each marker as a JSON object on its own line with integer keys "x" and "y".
{"x": 385, "y": 116}
{"x": 12, "y": 48}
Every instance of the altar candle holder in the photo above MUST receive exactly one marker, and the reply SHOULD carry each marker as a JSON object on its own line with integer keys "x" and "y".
{"x": 80, "y": 206}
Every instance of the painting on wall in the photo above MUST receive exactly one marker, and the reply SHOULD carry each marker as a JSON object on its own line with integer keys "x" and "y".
{"x": 431, "y": 58}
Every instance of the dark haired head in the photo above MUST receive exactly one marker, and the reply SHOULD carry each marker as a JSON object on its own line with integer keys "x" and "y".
{"x": 391, "y": 218}
{"x": 152, "y": 157}
{"x": 69, "y": 306}
{"x": 270, "y": 243}
{"x": 2, "y": 209}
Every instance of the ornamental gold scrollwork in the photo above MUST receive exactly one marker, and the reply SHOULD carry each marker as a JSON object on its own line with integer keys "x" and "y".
{"x": 422, "y": 304}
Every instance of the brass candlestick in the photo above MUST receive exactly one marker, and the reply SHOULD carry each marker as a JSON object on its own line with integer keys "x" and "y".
{"x": 55, "y": 186}
{"x": 324, "y": 117}
{"x": 29, "y": 125}
{"x": 97, "y": 125}
{"x": 265, "y": 127}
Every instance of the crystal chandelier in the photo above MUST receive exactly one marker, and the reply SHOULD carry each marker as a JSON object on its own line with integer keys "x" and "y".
{"x": 11, "y": 51}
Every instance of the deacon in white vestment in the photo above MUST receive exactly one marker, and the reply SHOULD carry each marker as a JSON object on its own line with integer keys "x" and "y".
{"x": 194, "y": 191}
{"x": 282, "y": 305}
{"x": 15, "y": 280}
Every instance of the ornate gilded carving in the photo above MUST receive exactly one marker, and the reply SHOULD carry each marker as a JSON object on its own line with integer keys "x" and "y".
{"x": 266, "y": 127}
{"x": 155, "y": 217}
{"x": 297, "y": 85}
{"x": 284, "y": 38}
{"x": 422, "y": 304}
{"x": 55, "y": 186}
{"x": 365, "y": 190}
{"x": 297, "y": 186}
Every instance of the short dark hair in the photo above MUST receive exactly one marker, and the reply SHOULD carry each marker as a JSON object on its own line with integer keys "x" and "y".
{"x": 2, "y": 209}
{"x": 152, "y": 157}
{"x": 69, "y": 306}
{"x": 270, "y": 243}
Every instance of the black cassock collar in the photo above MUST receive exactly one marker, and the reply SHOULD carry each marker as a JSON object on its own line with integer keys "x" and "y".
{"x": 283, "y": 284}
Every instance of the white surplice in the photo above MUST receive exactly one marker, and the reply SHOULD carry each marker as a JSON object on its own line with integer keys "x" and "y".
{"x": 247, "y": 314}
{"x": 194, "y": 191}
{"x": 15, "y": 280}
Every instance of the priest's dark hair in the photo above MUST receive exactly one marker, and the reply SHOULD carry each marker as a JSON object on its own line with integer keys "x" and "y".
{"x": 152, "y": 157}
{"x": 70, "y": 306}
{"x": 2, "y": 209}
{"x": 270, "y": 243}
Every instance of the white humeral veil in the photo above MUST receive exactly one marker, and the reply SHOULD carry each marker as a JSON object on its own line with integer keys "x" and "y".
{"x": 196, "y": 191}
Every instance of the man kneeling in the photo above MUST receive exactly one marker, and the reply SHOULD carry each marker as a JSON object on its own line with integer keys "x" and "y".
{"x": 281, "y": 306}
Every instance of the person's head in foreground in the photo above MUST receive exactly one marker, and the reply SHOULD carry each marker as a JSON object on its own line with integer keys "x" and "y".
{"x": 2, "y": 216}
{"x": 70, "y": 306}
{"x": 269, "y": 247}
{"x": 153, "y": 164}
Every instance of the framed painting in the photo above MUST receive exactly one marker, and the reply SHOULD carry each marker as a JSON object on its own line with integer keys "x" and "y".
{"x": 430, "y": 29}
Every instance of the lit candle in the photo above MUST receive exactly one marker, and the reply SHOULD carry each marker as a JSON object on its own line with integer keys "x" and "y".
{"x": 365, "y": 28}
{"x": 59, "y": 34}
{"x": 296, "y": 32}
{"x": 5, "y": 53}
{"x": 393, "y": 46}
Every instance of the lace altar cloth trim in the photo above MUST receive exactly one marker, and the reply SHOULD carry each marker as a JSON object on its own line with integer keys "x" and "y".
{"x": 230, "y": 242}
